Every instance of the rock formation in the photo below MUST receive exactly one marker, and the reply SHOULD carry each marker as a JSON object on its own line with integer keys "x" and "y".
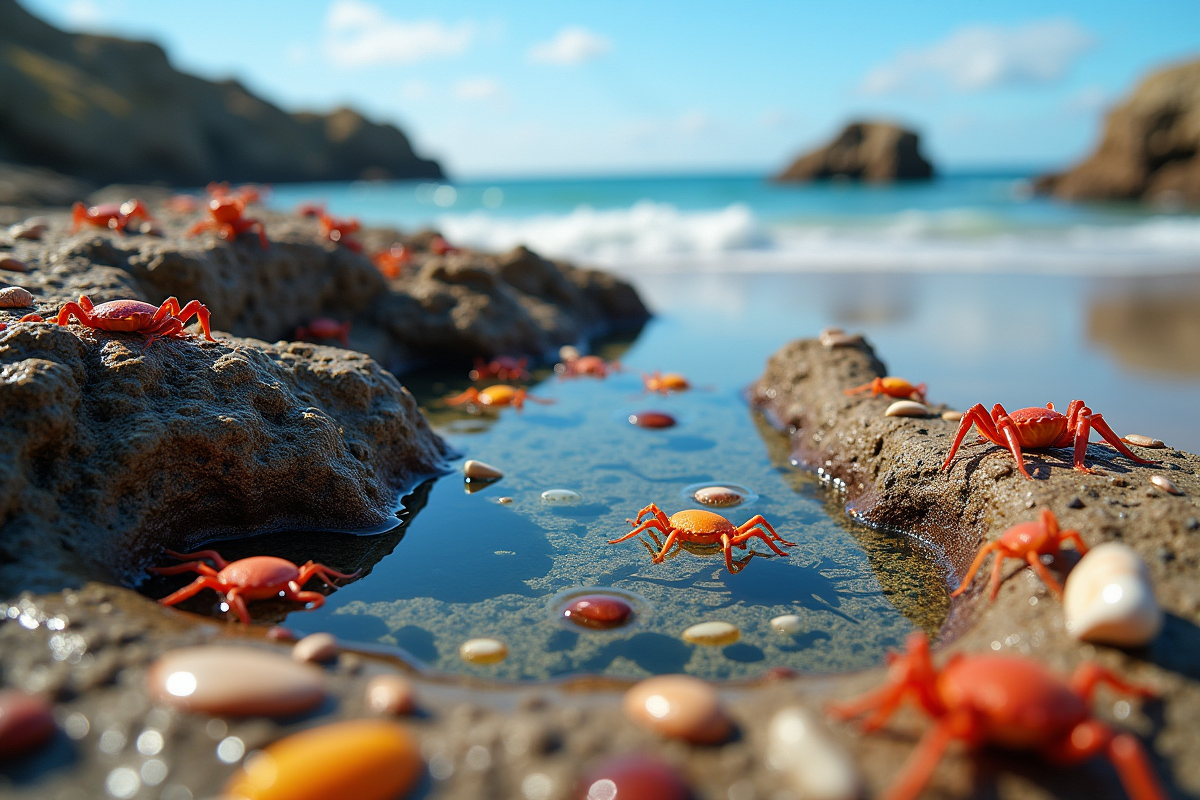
{"x": 1150, "y": 149}
{"x": 107, "y": 109}
{"x": 30, "y": 187}
{"x": 878, "y": 152}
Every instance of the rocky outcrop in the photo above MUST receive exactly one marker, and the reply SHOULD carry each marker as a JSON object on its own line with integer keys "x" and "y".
{"x": 114, "y": 450}
{"x": 108, "y": 109}
{"x": 30, "y": 187}
{"x": 1150, "y": 149}
{"x": 877, "y": 152}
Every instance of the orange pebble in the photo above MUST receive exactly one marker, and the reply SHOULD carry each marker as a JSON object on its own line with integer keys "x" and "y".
{"x": 362, "y": 759}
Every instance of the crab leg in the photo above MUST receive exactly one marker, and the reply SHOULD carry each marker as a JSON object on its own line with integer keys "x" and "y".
{"x": 211, "y": 555}
{"x": 64, "y": 316}
{"x": 471, "y": 395}
{"x": 1012, "y": 435}
{"x": 741, "y": 538}
{"x": 650, "y": 523}
{"x": 194, "y": 308}
{"x": 757, "y": 519}
{"x": 293, "y": 592}
{"x": 311, "y": 570}
{"x": 194, "y": 588}
{"x": 1036, "y": 564}
{"x": 1089, "y": 675}
{"x": 991, "y": 547}
{"x": 1100, "y": 426}
{"x": 925, "y": 758}
{"x": 727, "y": 548}
{"x": 975, "y": 415}
{"x": 672, "y": 536}
{"x": 192, "y": 566}
{"x": 1090, "y": 738}
{"x": 238, "y": 604}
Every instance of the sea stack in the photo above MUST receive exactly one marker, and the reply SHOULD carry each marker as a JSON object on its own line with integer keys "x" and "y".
{"x": 1150, "y": 149}
{"x": 878, "y": 152}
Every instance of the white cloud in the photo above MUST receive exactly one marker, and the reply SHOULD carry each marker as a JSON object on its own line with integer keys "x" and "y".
{"x": 985, "y": 57}
{"x": 360, "y": 34}
{"x": 83, "y": 12}
{"x": 478, "y": 89}
{"x": 571, "y": 45}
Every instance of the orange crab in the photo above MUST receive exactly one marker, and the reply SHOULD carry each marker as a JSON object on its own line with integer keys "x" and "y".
{"x": 26, "y": 318}
{"x": 594, "y": 366}
{"x": 1037, "y": 429}
{"x": 310, "y": 209}
{"x": 892, "y": 387}
{"x": 1025, "y": 542}
{"x": 391, "y": 262}
{"x": 227, "y": 220}
{"x": 248, "y": 193}
{"x": 440, "y": 247}
{"x": 254, "y": 578}
{"x": 325, "y": 328}
{"x": 109, "y": 215}
{"x": 134, "y": 316}
{"x": 506, "y": 368}
{"x": 498, "y": 395}
{"x": 1014, "y": 703}
{"x": 340, "y": 230}
{"x": 665, "y": 382}
{"x": 704, "y": 527}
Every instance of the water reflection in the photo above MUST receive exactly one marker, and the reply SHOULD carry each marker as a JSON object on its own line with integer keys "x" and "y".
{"x": 1149, "y": 324}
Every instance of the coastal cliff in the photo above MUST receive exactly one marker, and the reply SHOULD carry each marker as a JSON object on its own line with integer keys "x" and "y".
{"x": 112, "y": 110}
{"x": 1150, "y": 149}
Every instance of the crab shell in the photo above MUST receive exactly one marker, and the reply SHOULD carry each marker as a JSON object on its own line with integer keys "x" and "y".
{"x": 259, "y": 577}
{"x": 124, "y": 315}
{"x": 702, "y": 527}
{"x": 498, "y": 395}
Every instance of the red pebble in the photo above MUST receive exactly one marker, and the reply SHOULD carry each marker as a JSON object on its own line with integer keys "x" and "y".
{"x": 281, "y": 634}
{"x": 652, "y": 419}
{"x": 633, "y": 778}
{"x": 26, "y": 723}
{"x": 599, "y": 611}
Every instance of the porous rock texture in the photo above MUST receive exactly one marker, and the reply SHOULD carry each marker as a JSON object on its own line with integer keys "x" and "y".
{"x": 872, "y": 151}
{"x": 1150, "y": 148}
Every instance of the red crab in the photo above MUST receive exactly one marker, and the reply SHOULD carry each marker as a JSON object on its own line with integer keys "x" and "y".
{"x": 498, "y": 395}
{"x": 594, "y": 366}
{"x": 892, "y": 387}
{"x": 1039, "y": 428}
{"x": 228, "y": 222}
{"x": 505, "y": 368}
{"x": 254, "y": 578}
{"x": 391, "y": 262}
{"x": 665, "y": 383}
{"x": 109, "y": 215}
{"x": 340, "y": 230}
{"x": 704, "y": 527}
{"x": 182, "y": 203}
{"x": 135, "y": 316}
{"x": 311, "y": 209}
{"x": 325, "y": 328}
{"x": 1025, "y": 542}
{"x": 1014, "y": 703}
{"x": 440, "y": 247}
{"x": 26, "y": 318}
{"x": 248, "y": 193}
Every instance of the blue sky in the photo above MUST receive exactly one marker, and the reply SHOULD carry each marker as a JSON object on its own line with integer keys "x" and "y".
{"x": 575, "y": 88}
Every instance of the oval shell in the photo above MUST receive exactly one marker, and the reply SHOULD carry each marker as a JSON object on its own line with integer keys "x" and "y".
{"x": 363, "y": 759}
{"x": 390, "y": 694}
{"x": 1165, "y": 483}
{"x": 12, "y": 265}
{"x": 483, "y": 651}
{"x": 713, "y": 634}
{"x": 799, "y": 746}
{"x": 719, "y": 496}
{"x": 952, "y": 416}
{"x": 561, "y": 496}
{"x": 234, "y": 682}
{"x": 479, "y": 471}
{"x": 316, "y": 648}
{"x": 633, "y": 777}
{"x": 1109, "y": 599}
{"x": 599, "y": 611}
{"x": 1143, "y": 441}
{"x": 678, "y": 706}
{"x": 788, "y": 624}
{"x": 15, "y": 297}
{"x": 906, "y": 408}
{"x": 652, "y": 419}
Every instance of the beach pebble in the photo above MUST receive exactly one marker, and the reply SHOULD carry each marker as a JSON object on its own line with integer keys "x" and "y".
{"x": 568, "y": 352}
{"x": 479, "y": 471}
{"x": 600, "y": 611}
{"x": 788, "y": 624}
{"x": 360, "y": 759}
{"x": 234, "y": 682}
{"x": 1165, "y": 483}
{"x": 836, "y": 337}
{"x": 316, "y": 648}
{"x": 952, "y": 416}
{"x": 279, "y": 633}
{"x": 652, "y": 419}
{"x": 799, "y": 746}
{"x": 714, "y": 634}
{"x": 504, "y": 501}
{"x": 1108, "y": 598}
{"x": 719, "y": 496}
{"x": 906, "y": 408}
{"x": 561, "y": 496}
{"x": 12, "y": 265}
{"x": 391, "y": 695}
{"x": 15, "y": 297}
{"x": 679, "y": 707}
{"x": 633, "y": 777}
{"x": 483, "y": 651}
{"x": 1143, "y": 441}
{"x": 32, "y": 228}
{"x": 26, "y": 723}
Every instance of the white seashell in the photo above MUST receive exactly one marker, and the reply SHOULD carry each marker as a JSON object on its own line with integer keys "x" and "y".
{"x": 1165, "y": 483}
{"x": 799, "y": 746}
{"x": 714, "y": 634}
{"x": 557, "y": 496}
{"x": 788, "y": 624}
{"x": 1109, "y": 599}
{"x": 483, "y": 651}
{"x": 952, "y": 416}
{"x": 316, "y": 648}
{"x": 1143, "y": 441}
{"x": 906, "y": 408}
{"x": 568, "y": 352}
{"x": 479, "y": 471}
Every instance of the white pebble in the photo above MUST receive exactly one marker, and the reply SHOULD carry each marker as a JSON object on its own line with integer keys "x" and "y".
{"x": 906, "y": 408}
{"x": 477, "y": 470}
{"x": 1143, "y": 441}
{"x": 714, "y": 634}
{"x": 952, "y": 416}
{"x": 818, "y": 768}
{"x": 788, "y": 624}
{"x": 316, "y": 648}
{"x": 483, "y": 651}
{"x": 1109, "y": 598}
{"x": 561, "y": 496}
